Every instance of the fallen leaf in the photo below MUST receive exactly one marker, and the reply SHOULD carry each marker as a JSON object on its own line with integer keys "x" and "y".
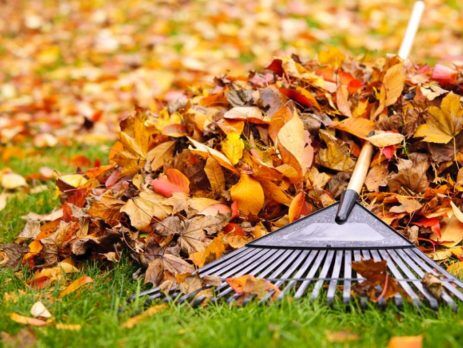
{"x": 130, "y": 323}
{"x": 444, "y": 123}
{"x": 249, "y": 195}
{"x": 248, "y": 285}
{"x": 68, "y": 327}
{"x": 27, "y": 320}
{"x": 215, "y": 175}
{"x": 39, "y": 310}
{"x": 341, "y": 336}
{"x": 173, "y": 181}
{"x": 405, "y": 342}
{"x": 384, "y": 139}
{"x": 233, "y": 147}
{"x": 11, "y": 181}
{"x": 75, "y": 285}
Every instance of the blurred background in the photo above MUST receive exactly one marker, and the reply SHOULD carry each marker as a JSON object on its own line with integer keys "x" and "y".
{"x": 70, "y": 69}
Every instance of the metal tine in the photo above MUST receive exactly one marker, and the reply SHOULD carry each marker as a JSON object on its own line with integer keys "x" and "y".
{"x": 409, "y": 261}
{"x": 299, "y": 273}
{"x": 252, "y": 270}
{"x": 282, "y": 268}
{"x": 230, "y": 263}
{"x": 231, "y": 256}
{"x": 225, "y": 289}
{"x": 435, "y": 266}
{"x": 327, "y": 265}
{"x": 290, "y": 271}
{"x": 266, "y": 270}
{"x": 334, "y": 275}
{"x": 367, "y": 255}
{"x": 420, "y": 261}
{"x": 391, "y": 265}
{"x": 358, "y": 257}
{"x": 312, "y": 271}
{"x": 397, "y": 297}
{"x": 347, "y": 276}
{"x": 431, "y": 299}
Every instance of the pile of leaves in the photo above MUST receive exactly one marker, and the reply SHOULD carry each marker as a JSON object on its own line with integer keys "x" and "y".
{"x": 206, "y": 174}
{"x": 68, "y": 71}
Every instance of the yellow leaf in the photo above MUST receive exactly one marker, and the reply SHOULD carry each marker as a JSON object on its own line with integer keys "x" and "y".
{"x": 21, "y": 319}
{"x": 11, "y": 181}
{"x": 233, "y": 147}
{"x": 405, "y": 342}
{"x": 249, "y": 195}
{"x": 130, "y": 323}
{"x": 74, "y": 180}
{"x": 457, "y": 212}
{"x": 331, "y": 56}
{"x": 443, "y": 124}
{"x": 452, "y": 233}
{"x": 207, "y": 151}
{"x": 160, "y": 154}
{"x": 76, "y": 284}
{"x": 215, "y": 175}
{"x": 69, "y": 327}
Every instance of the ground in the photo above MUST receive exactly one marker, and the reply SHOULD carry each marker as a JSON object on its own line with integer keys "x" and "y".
{"x": 102, "y": 307}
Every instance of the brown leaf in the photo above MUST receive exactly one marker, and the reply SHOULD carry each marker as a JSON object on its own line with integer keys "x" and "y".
{"x": 248, "y": 285}
{"x": 378, "y": 283}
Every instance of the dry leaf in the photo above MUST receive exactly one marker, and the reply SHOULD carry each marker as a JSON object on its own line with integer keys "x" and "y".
{"x": 27, "y": 320}
{"x": 249, "y": 195}
{"x": 11, "y": 181}
{"x": 39, "y": 310}
{"x": 75, "y": 285}
{"x": 130, "y": 323}
{"x": 405, "y": 342}
{"x": 444, "y": 123}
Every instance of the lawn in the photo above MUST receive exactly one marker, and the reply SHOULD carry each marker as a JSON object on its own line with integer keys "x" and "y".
{"x": 102, "y": 307}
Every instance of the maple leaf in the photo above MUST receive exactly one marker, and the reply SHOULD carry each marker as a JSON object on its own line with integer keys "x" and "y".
{"x": 142, "y": 208}
{"x": 444, "y": 123}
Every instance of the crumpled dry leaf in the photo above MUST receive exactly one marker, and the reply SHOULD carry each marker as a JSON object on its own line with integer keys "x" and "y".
{"x": 248, "y": 285}
{"x": 39, "y": 310}
{"x": 378, "y": 283}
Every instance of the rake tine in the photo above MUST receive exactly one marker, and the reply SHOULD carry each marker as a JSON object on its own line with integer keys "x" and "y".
{"x": 409, "y": 261}
{"x": 295, "y": 255}
{"x": 302, "y": 288}
{"x": 397, "y": 297}
{"x": 420, "y": 261}
{"x": 358, "y": 257}
{"x": 347, "y": 276}
{"x": 249, "y": 269}
{"x": 227, "y": 258}
{"x": 431, "y": 299}
{"x": 299, "y": 274}
{"x": 391, "y": 265}
{"x": 368, "y": 255}
{"x": 230, "y": 263}
{"x": 441, "y": 270}
{"x": 335, "y": 275}
{"x": 326, "y": 267}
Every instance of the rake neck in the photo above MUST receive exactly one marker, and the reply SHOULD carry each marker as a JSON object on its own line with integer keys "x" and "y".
{"x": 350, "y": 196}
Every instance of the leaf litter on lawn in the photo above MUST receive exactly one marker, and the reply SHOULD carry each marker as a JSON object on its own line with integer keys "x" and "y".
{"x": 204, "y": 175}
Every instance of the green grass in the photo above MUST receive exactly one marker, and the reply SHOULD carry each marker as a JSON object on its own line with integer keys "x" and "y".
{"x": 101, "y": 307}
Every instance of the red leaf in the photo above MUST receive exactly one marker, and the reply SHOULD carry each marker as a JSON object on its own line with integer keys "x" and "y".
{"x": 170, "y": 182}
{"x": 444, "y": 75}
{"x": 433, "y": 223}
{"x": 276, "y": 66}
{"x": 388, "y": 151}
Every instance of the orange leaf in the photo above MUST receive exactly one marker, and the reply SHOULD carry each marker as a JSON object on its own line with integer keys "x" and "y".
{"x": 76, "y": 284}
{"x": 249, "y": 195}
{"x": 130, "y": 323}
{"x": 249, "y": 285}
{"x": 406, "y": 342}
{"x": 298, "y": 207}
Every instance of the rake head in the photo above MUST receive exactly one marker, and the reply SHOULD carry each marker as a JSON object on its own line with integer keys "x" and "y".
{"x": 313, "y": 257}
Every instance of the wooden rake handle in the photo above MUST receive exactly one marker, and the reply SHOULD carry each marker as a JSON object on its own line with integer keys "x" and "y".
{"x": 359, "y": 174}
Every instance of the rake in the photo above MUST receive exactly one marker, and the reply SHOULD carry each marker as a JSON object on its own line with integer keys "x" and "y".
{"x": 314, "y": 255}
